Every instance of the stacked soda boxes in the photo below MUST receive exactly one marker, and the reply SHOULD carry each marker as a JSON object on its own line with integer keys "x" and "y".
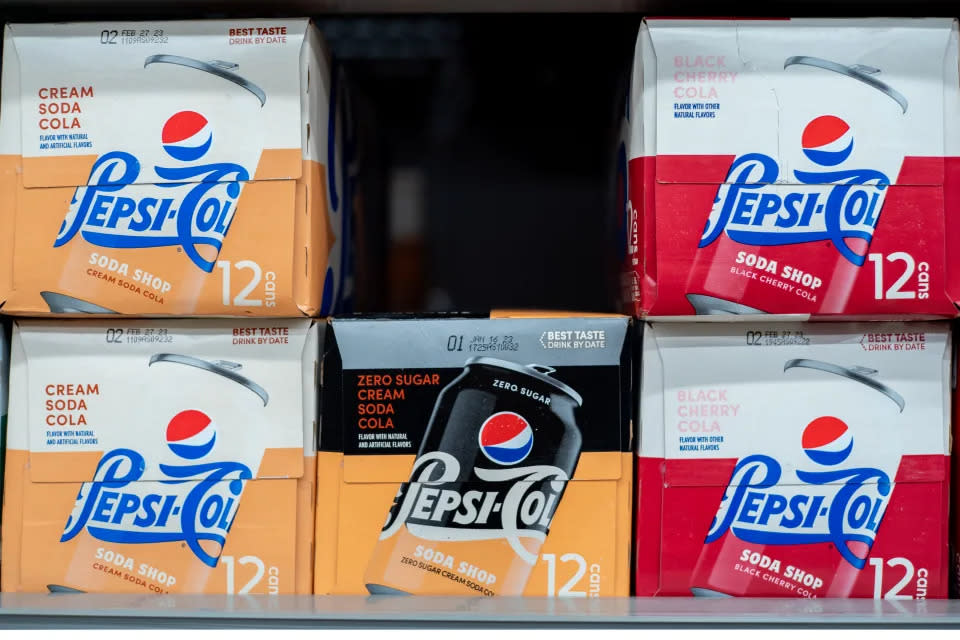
{"x": 794, "y": 170}
{"x": 772, "y": 172}
{"x": 206, "y": 171}
{"x": 174, "y": 170}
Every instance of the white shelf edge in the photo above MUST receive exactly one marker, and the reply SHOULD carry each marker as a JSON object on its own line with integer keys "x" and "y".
{"x": 181, "y": 610}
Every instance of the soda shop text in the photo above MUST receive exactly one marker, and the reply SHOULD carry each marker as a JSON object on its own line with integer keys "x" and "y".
{"x": 445, "y": 565}
{"x": 127, "y": 568}
{"x": 137, "y": 281}
{"x": 788, "y": 278}
{"x": 768, "y": 569}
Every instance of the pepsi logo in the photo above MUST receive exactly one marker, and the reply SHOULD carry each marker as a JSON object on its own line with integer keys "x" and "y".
{"x": 186, "y": 135}
{"x": 827, "y": 440}
{"x": 191, "y": 434}
{"x": 827, "y": 140}
{"x": 506, "y": 438}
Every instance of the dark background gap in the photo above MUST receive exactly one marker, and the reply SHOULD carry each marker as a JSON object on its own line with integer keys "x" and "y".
{"x": 504, "y": 129}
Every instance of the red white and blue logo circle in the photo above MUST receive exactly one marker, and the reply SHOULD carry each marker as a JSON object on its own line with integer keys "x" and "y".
{"x": 506, "y": 438}
{"x": 191, "y": 434}
{"x": 827, "y": 440}
{"x": 186, "y": 135}
{"x": 827, "y": 140}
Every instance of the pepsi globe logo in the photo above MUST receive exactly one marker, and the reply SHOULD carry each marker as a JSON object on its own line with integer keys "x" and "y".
{"x": 506, "y": 438}
{"x": 191, "y": 434}
{"x": 827, "y": 140}
{"x": 186, "y": 136}
{"x": 827, "y": 441}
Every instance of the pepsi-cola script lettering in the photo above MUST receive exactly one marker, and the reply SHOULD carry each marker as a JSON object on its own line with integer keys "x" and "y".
{"x": 509, "y": 503}
{"x": 842, "y": 506}
{"x": 840, "y": 205}
{"x": 190, "y": 206}
{"x": 194, "y": 503}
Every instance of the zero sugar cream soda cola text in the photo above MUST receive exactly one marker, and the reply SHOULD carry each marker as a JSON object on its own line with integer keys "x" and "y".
{"x": 794, "y": 460}
{"x": 173, "y": 168}
{"x": 161, "y": 456}
{"x": 784, "y": 166}
{"x": 475, "y": 456}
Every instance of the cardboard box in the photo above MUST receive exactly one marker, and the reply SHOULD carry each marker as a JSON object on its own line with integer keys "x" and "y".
{"x": 171, "y": 168}
{"x": 794, "y": 460}
{"x": 798, "y": 167}
{"x": 497, "y": 449}
{"x": 161, "y": 456}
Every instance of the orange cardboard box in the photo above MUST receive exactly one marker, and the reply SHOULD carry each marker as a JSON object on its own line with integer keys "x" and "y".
{"x": 171, "y": 168}
{"x": 161, "y": 456}
{"x": 475, "y": 456}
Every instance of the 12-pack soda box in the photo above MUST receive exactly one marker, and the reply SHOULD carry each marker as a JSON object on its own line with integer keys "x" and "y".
{"x": 161, "y": 456}
{"x": 803, "y": 167}
{"x": 794, "y": 460}
{"x": 173, "y": 168}
{"x": 475, "y": 456}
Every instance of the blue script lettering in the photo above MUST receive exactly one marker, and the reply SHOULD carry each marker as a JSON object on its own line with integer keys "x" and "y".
{"x": 839, "y": 206}
{"x": 117, "y": 507}
{"x": 848, "y": 509}
{"x": 193, "y": 208}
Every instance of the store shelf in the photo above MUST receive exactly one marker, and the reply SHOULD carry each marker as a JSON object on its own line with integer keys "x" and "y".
{"x": 116, "y": 611}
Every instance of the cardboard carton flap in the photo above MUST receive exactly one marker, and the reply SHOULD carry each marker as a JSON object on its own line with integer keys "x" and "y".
{"x": 165, "y": 400}
{"x": 548, "y": 378}
{"x": 865, "y": 105}
{"x": 804, "y": 404}
{"x": 161, "y": 102}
